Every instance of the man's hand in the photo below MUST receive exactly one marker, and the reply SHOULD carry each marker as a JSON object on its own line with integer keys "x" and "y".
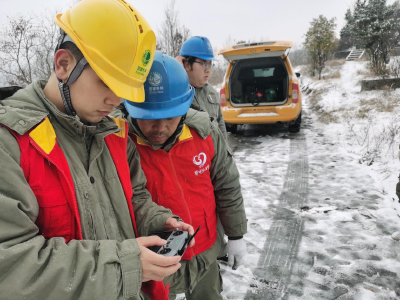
{"x": 172, "y": 223}
{"x": 155, "y": 266}
{"x": 236, "y": 250}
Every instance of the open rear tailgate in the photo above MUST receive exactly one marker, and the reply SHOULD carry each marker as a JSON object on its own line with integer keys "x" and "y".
{"x": 254, "y": 50}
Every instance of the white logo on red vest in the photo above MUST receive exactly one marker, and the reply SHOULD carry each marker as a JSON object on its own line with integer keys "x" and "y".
{"x": 200, "y": 160}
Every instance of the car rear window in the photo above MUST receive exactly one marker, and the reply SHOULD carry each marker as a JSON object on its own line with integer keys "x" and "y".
{"x": 264, "y": 72}
{"x": 259, "y": 81}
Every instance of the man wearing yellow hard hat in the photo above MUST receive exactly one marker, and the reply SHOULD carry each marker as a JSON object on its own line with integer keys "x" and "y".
{"x": 73, "y": 201}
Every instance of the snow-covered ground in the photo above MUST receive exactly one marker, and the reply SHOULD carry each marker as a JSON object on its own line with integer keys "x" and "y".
{"x": 366, "y": 124}
{"x": 323, "y": 217}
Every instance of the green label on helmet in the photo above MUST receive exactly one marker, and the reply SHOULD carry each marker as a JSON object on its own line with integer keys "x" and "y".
{"x": 146, "y": 57}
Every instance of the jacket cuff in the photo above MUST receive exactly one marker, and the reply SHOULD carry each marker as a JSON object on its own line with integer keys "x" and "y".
{"x": 233, "y": 238}
{"x": 239, "y": 229}
{"x": 131, "y": 268}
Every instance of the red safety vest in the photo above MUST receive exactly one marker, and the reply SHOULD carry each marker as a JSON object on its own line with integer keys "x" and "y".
{"x": 47, "y": 172}
{"x": 180, "y": 180}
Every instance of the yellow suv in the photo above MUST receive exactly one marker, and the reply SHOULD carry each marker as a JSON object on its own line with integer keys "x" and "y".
{"x": 260, "y": 86}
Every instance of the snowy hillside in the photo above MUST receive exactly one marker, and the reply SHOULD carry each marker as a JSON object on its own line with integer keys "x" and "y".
{"x": 366, "y": 124}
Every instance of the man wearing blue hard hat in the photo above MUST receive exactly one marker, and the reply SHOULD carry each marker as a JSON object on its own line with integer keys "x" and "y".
{"x": 190, "y": 170}
{"x": 197, "y": 56}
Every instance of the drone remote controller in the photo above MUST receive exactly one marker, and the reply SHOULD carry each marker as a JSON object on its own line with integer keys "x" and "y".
{"x": 177, "y": 243}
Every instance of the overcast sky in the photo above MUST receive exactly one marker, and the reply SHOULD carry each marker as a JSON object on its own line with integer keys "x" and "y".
{"x": 219, "y": 19}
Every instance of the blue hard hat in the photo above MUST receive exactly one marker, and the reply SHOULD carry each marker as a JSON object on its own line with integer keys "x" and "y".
{"x": 168, "y": 93}
{"x": 198, "y": 46}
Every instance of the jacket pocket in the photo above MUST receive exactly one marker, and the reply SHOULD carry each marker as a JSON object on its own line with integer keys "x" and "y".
{"x": 55, "y": 216}
{"x": 213, "y": 107}
{"x": 212, "y": 99}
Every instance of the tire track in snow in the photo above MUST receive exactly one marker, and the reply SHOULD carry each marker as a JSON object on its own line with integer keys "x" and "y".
{"x": 282, "y": 243}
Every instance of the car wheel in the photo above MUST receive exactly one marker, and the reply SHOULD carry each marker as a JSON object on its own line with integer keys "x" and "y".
{"x": 231, "y": 127}
{"x": 234, "y": 128}
{"x": 295, "y": 126}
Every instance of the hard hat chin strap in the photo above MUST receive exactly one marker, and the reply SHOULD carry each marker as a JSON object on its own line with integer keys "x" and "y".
{"x": 64, "y": 87}
{"x": 76, "y": 72}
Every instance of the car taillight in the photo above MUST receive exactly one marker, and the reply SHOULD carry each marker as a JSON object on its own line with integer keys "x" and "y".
{"x": 295, "y": 93}
{"x": 222, "y": 98}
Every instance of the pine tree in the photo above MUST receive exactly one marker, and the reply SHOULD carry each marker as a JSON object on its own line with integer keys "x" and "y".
{"x": 346, "y": 40}
{"x": 375, "y": 26}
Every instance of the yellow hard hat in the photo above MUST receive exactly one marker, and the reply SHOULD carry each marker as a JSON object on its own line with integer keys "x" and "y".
{"x": 116, "y": 40}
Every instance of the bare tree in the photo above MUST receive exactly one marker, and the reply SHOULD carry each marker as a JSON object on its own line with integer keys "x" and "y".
{"x": 17, "y": 49}
{"x": 299, "y": 56}
{"x": 229, "y": 41}
{"x": 218, "y": 70}
{"x": 26, "y": 48}
{"x": 47, "y": 38}
{"x": 172, "y": 34}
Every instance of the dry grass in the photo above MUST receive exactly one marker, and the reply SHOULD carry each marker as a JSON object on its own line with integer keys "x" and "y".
{"x": 324, "y": 117}
{"x": 333, "y": 75}
{"x": 332, "y": 69}
{"x": 315, "y": 97}
{"x": 328, "y": 117}
{"x": 307, "y": 69}
{"x": 335, "y": 62}
{"x": 362, "y": 112}
{"x": 365, "y": 73}
{"x": 386, "y": 103}
{"x": 377, "y": 143}
{"x": 347, "y": 114}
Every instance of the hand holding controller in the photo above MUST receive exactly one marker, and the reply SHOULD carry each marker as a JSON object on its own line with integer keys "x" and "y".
{"x": 177, "y": 243}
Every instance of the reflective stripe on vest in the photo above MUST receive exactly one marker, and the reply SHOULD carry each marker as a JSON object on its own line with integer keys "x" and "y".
{"x": 180, "y": 180}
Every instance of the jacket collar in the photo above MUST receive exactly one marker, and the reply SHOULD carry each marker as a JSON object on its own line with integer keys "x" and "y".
{"x": 74, "y": 125}
{"x": 142, "y": 140}
{"x": 185, "y": 135}
{"x": 197, "y": 120}
{"x": 23, "y": 110}
{"x": 29, "y": 106}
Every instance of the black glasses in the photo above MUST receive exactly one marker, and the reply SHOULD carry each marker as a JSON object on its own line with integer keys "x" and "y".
{"x": 206, "y": 64}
